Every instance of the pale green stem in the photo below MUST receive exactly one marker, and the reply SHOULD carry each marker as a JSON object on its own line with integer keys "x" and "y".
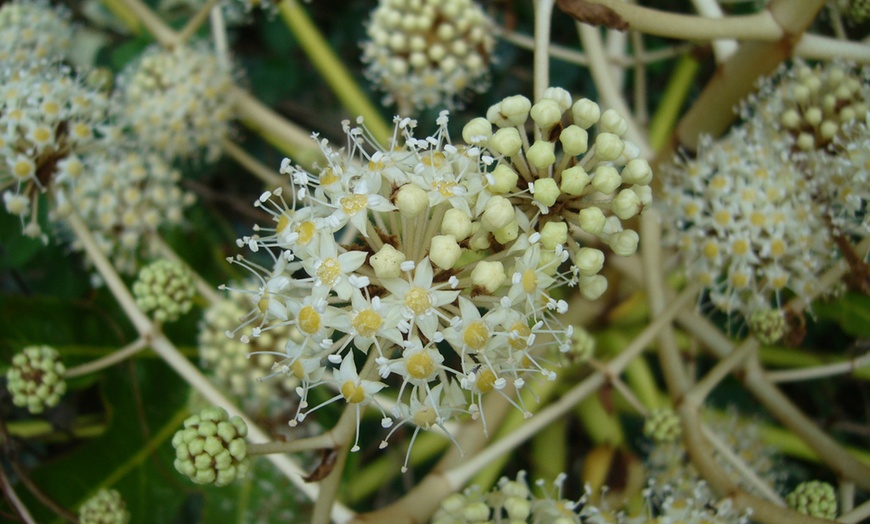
{"x": 818, "y": 47}
{"x": 608, "y": 92}
{"x": 20, "y": 509}
{"x": 127, "y": 17}
{"x": 847, "y": 496}
{"x": 722, "y": 48}
{"x": 664, "y": 119}
{"x": 749, "y": 474}
{"x": 857, "y": 515}
{"x": 333, "y": 70}
{"x": 164, "y": 347}
{"x": 109, "y": 360}
{"x": 830, "y": 370}
{"x": 268, "y": 176}
{"x": 758, "y": 26}
{"x": 195, "y": 22}
{"x": 541, "y": 65}
{"x": 158, "y": 29}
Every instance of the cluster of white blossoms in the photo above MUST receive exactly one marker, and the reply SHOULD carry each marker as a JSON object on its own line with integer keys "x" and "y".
{"x": 125, "y": 198}
{"x": 449, "y": 289}
{"x": 229, "y": 361}
{"x": 759, "y": 211}
{"x": 33, "y": 30}
{"x": 428, "y": 53}
{"x": 48, "y": 119}
{"x": 177, "y": 102}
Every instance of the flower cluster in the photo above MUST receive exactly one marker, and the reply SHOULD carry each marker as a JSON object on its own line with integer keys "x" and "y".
{"x": 126, "y": 198}
{"x": 47, "y": 120}
{"x": 211, "y": 449}
{"x": 106, "y": 507}
{"x": 663, "y": 425}
{"x": 177, "y": 102}
{"x": 815, "y": 498}
{"x": 428, "y": 53}
{"x": 228, "y": 359}
{"x": 32, "y": 31}
{"x": 574, "y": 183}
{"x": 449, "y": 290}
{"x": 165, "y": 289}
{"x": 35, "y": 379}
{"x": 747, "y": 227}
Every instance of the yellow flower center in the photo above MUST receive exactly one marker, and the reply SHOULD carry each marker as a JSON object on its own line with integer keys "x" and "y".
{"x": 476, "y": 335}
{"x": 530, "y": 281}
{"x": 740, "y": 247}
{"x": 263, "y": 304}
{"x": 353, "y": 204}
{"x": 41, "y": 135}
{"x": 424, "y": 417}
{"x": 433, "y": 160}
{"x": 329, "y": 271}
{"x": 718, "y": 183}
{"x": 777, "y": 247}
{"x": 486, "y": 381}
{"x": 352, "y": 393}
{"x": 722, "y": 217}
{"x": 779, "y": 281}
{"x": 283, "y": 222}
{"x": 22, "y": 169}
{"x": 297, "y": 369}
{"x": 328, "y": 177}
{"x": 739, "y": 280}
{"x": 757, "y": 218}
{"x": 711, "y": 249}
{"x": 417, "y": 300}
{"x": 367, "y": 322}
{"x": 420, "y": 365}
{"x": 445, "y": 188}
{"x": 521, "y": 340}
{"x": 306, "y": 231}
{"x": 308, "y": 320}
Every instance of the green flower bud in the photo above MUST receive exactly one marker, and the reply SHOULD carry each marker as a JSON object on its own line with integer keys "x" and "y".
{"x": 35, "y": 379}
{"x": 106, "y": 507}
{"x": 663, "y": 425}
{"x": 211, "y": 449}
{"x": 814, "y": 498}
{"x": 165, "y": 289}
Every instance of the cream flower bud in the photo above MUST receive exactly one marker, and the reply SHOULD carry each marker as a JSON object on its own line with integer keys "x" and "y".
{"x": 542, "y": 154}
{"x": 592, "y": 287}
{"x": 626, "y": 204}
{"x": 476, "y": 512}
{"x": 477, "y": 131}
{"x": 586, "y": 113}
{"x": 574, "y": 181}
{"x": 507, "y": 233}
{"x": 516, "y": 109}
{"x": 613, "y": 122}
{"x": 592, "y": 220}
{"x": 546, "y": 191}
{"x": 506, "y": 141}
{"x": 606, "y": 179}
{"x": 479, "y": 237}
{"x": 608, "y": 146}
{"x": 497, "y": 213}
{"x": 575, "y": 140}
{"x": 546, "y": 113}
{"x": 791, "y": 119}
{"x": 637, "y": 171}
{"x": 488, "y": 275}
{"x": 444, "y": 251}
{"x": 644, "y": 193}
{"x": 517, "y": 509}
{"x": 624, "y": 243}
{"x": 558, "y": 95}
{"x": 411, "y": 200}
{"x": 504, "y": 179}
{"x": 554, "y": 234}
{"x": 456, "y": 222}
{"x": 589, "y": 261}
{"x": 387, "y": 262}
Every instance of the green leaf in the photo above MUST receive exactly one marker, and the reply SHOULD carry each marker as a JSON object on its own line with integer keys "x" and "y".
{"x": 851, "y": 312}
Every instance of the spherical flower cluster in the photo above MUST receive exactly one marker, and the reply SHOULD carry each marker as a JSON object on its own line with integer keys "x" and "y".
{"x": 663, "y": 425}
{"x": 211, "y": 449}
{"x": 576, "y": 184}
{"x": 672, "y": 474}
{"x": 106, "y": 507}
{"x": 427, "y": 53}
{"x": 768, "y": 325}
{"x": 165, "y": 289}
{"x": 448, "y": 290}
{"x": 240, "y": 366}
{"x": 35, "y": 379}
{"x": 47, "y": 120}
{"x": 746, "y": 224}
{"x": 814, "y": 498}
{"x": 811, "y": 104}
{"x": 32, "y": 31}
{"x": 177, "y": 102}
{"x": 126, "y": 198}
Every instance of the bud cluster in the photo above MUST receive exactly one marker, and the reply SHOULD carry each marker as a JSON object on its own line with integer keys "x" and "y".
{"x": 35, "y": 379}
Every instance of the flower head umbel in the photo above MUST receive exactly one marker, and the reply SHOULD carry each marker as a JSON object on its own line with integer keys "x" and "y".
{"x": 177, "y": 102}
{"x": 126, "y": 198}
{"x": 428, "y": 53}
{"x": 436, "y": 297}
{"x": 106, "y": 507}
{"x": 35, "y": 379}
{"x": 48, "y": 119}
{"x": 211, "y": 449}
{"x": 815, "y": 498}
{"x": 165, "y": 289}
{"x": 33, "y": 30}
